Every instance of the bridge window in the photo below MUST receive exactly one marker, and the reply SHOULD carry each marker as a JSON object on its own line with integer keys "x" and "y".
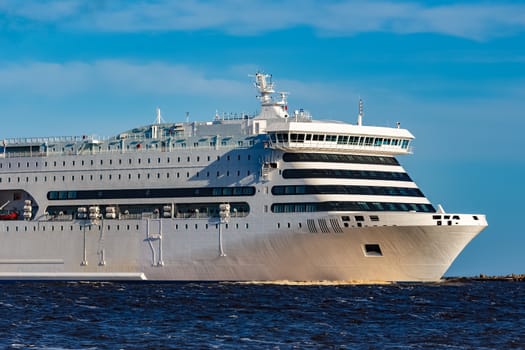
{"x": 296, "y": 137}
{"x": 342, "y": 140}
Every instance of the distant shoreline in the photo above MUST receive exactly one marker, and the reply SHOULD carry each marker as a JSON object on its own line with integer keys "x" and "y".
{"x": 510, "y": 278}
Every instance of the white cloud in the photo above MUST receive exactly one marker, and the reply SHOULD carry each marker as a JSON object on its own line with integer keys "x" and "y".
{"x": 61, "y": 79}
{"x": 40, "y": 10}
{"x": 121, "y": 77}
{"x": 478, "y": 21}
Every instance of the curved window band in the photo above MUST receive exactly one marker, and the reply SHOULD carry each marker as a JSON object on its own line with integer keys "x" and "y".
{"x": 341, "y": 189}
{"x": 349, "y": 206}
{"x": 338, "y": 158}
{"x": 344, "y": 174}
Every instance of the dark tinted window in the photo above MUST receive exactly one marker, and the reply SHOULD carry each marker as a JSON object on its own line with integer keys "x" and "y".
{"x": 338, "y": 158}
{"x": 344, "y": 174}
{"x": 341, "y": 189}
{"x": 348, "y": 206}
{"x": 153, "y": 193}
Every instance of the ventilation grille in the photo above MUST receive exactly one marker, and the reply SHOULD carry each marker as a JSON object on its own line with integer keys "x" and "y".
{"x": 323, "y": 226}
{"x": 335, "y": 226}
{"x": 311, "y": 225}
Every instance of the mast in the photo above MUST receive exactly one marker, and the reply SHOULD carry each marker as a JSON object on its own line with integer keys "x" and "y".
{"x": 360, "y": 115}
{"x": 158, "y": 120}
{"x": 265, "y": 88}
{"x": 269, "y": 107}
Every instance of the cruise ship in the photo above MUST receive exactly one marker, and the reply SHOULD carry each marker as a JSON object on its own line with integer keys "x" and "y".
{"x": 267, "y": 197}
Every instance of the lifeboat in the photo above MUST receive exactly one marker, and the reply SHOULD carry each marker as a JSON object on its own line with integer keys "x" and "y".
{"x": 8, "y": 215}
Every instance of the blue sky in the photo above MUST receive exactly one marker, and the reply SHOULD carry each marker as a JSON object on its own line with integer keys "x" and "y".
{"x": 451, "y": 72}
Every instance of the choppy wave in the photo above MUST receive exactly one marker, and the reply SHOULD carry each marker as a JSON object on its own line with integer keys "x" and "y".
{"x": 315, "y": 283}
{"x": 255, "y": 315}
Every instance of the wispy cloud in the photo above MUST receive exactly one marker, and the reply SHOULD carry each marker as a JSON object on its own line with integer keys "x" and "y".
{"x": 129, "y": 78}
{"x": 61, "y": 79}
{"x": 478, "y": 21}
{"x": 160, "y": 80}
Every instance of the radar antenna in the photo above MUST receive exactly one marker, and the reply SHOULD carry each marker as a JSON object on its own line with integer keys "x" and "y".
{"x": 270, "y": 107}
{"x": 265, "y": 87}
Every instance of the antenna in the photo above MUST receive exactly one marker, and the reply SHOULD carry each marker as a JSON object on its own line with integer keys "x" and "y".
{"x": 360, "y": 115}
{"x": 158, "y": 119}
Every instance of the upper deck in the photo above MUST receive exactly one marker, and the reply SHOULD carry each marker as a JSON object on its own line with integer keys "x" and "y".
{"x": 273, "y": 126}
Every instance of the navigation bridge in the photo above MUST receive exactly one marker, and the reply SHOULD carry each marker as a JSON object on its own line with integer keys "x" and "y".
{"x": 339, "y": 137}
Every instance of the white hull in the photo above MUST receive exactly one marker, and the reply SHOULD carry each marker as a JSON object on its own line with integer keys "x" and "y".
{"x": 409, "y": 252}
{"x": 297, "y": 199}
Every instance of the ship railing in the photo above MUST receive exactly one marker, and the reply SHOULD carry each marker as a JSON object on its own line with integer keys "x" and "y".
{"x": 22, "y": 154}
{"x": 50, "y": 139}
{"x": 58, "y": 217}
{"x": 233, "y": 116}
{"x": 147, "y": 148}
{"x": 163, "y": 148}
{"x": 208, "y": 215}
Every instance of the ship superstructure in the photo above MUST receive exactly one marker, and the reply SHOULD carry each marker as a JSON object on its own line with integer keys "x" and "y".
{"x": 276, "y": 196}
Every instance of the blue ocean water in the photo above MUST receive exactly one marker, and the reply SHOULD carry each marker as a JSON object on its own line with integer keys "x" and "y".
{"x": 72, "y": 315}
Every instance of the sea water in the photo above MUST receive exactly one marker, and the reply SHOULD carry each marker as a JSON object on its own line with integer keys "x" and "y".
{"x": 73, "y": 315}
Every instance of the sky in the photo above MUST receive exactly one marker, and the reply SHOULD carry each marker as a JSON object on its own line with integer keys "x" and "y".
{"x": 451, "y": 72}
